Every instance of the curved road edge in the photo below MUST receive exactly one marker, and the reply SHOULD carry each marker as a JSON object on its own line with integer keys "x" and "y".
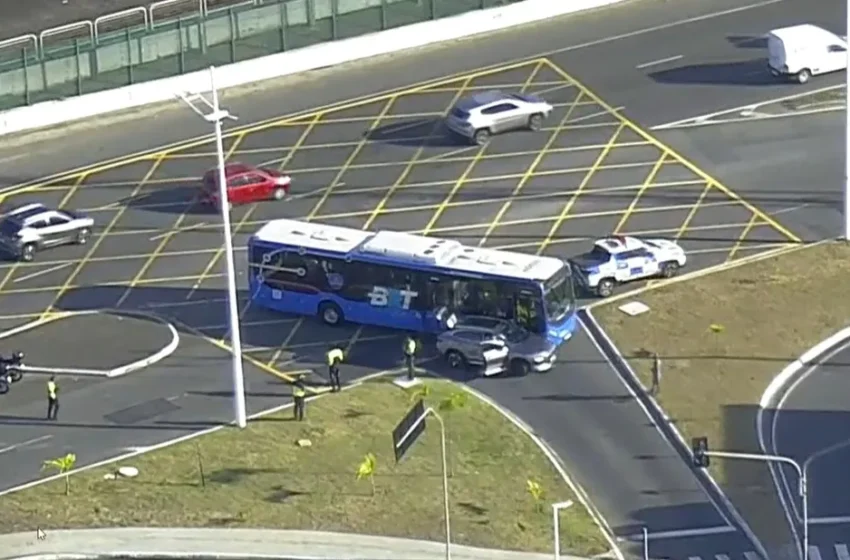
{"x": 118, "y": 371}
{"x": 771, "y": 401}
{"x": 236, "y": 544}
{"x": 664, "y": 424}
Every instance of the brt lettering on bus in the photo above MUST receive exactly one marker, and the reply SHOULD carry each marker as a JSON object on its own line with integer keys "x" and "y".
{"x": 383, "y": 297}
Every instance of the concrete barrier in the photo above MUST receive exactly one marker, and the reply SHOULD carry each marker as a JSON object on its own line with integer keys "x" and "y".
{"x": 322, "y": 55}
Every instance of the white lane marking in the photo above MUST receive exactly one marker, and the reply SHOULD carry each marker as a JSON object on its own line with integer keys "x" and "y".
{"x": 685, "y": 533}
{"x": 790, "y": 504}
{"x": 41, "y": 272}
{"x": 814, "y": 553}
{"x": 25, "y": 443}
{"x": 841, "y": 552}
{"x": 721, "y": 557}
{"x": 179, "y": 230}
{"x": 834, "y": 520}
{"x": 751, "y": 556}
{"x": 661, "y": 27}
{"x": 746, "y": 110}
{"x": 660, "y": 61}
{"x": 694, "y": 558}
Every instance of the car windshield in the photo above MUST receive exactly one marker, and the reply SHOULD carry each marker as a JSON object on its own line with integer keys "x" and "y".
{"x": 460, "y": 113}
{"x": 514, "y": 333}
{"x": 558, "y": 294}
{"x": 598, "y": 254}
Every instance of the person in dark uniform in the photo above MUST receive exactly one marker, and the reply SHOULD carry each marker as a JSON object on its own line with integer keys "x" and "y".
{"x": 299, "y": 398}
{"x": 335, "y": 357}
{"x": 409, "y": 355}
{"x": 52, "y": 398}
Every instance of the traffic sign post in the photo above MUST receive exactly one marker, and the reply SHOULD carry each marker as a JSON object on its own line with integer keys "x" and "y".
{"x": 701, "y": 458}
{"x": 405, "y": 435}
{"x": 556, "y": 524}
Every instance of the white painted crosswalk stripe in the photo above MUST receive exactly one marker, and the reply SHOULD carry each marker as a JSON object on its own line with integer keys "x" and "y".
{"x": 751, "y": 556}
{"x": 814, "y": 553}
{"x": 721, "y": 557}
{"x": 694, "y": 558}
{"x": 841, "y": 552}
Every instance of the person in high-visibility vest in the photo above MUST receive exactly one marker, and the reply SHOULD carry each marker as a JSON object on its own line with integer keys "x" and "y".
{"x": 335, "y": 357}
{"x": 410, "y": 347}
{"x": 52, "y": 398}
{"x": 523, "y": 315}
{"x": 299, "y": 398}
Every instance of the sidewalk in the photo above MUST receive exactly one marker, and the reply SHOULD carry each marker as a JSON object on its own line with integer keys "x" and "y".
{"x": 238, "y": 543}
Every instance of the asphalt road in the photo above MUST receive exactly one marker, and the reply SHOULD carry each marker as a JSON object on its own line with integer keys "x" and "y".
{"x": 158, "y": 250}
{"x": 812, "y": 425}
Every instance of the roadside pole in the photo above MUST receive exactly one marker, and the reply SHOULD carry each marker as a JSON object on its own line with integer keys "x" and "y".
{"x": 199, "y": 104}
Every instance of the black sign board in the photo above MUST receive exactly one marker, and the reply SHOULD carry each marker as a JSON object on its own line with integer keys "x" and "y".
{"x": 409, "y": 429}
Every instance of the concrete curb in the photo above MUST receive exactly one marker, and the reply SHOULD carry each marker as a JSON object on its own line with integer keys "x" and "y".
{"x": 772, "y": 397}
{"x": 232, "y": 544}
{"x": 579, "y": 492}
{"x": 663, "y": 422}
{"x": 157, "y": 356}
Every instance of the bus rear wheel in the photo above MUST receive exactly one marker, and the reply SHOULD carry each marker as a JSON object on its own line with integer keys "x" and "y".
{"x": 330, "y": 314}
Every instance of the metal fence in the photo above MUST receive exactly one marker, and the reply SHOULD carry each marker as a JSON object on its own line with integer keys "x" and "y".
{"x": 35, "y": 71}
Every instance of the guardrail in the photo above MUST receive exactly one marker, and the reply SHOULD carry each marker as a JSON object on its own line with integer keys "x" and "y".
{"x": 385, "y": 28}
{"x": 211, "y": 37}
{"x": 93, "y": 26}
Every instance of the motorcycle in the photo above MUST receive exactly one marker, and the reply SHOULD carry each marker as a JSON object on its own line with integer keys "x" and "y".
{"x": 10, "y": 372}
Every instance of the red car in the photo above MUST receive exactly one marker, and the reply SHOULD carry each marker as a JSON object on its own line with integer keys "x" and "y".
{"x": 246, "y": 184}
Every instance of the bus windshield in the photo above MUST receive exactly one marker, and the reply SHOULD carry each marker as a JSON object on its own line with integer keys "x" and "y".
{"x": 558, "y": 295}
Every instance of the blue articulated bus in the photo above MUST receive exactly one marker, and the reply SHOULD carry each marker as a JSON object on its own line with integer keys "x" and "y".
{"x": 404, "y": 281}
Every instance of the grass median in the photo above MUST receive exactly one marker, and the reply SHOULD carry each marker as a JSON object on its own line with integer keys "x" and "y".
{"x": 260, "y": 477}
{"x": 722, "y": 338}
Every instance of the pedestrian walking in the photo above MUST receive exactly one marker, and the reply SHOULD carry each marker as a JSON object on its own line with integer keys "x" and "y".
{"x": 335, "y": 357}
{"x": 52, "y": 398}
{"x": 410, "y": 347}
{"x": 299, "y": 399}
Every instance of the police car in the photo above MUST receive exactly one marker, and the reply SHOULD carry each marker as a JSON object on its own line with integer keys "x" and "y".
{"x": 27, "y": 229}
{"x": 616, "y": 260}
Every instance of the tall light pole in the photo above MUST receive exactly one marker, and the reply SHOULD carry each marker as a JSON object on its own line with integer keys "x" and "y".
{"x": 847, "y": 131}
{"x": 701, "y": 455}
{"x": 199, "y": 104}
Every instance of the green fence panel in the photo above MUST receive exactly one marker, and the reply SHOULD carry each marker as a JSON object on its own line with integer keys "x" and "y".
{"x": 358, "y": 17}
{"x": 69, "y": 67}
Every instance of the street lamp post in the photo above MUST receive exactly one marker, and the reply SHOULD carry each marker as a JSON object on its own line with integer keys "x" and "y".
{"x": 199, "y": 104}
{"x": 556, "y": 524}
{"x": 802, "y": 475}
{"x": 847, "y": 136}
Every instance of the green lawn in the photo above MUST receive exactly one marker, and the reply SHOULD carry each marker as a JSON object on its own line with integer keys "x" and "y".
{"x": 722, "y": 338}
{"x": 260, "y": 478}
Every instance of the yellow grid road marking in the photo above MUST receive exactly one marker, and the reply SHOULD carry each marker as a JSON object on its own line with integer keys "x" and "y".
{"x": 769, "y": 220}
{"x": 411, "y": 163}
{"x": 741, "y": 238}
{"x": 448, "y": 229}
{"x": 693, "y": 212}
{"x": 214, "y": 227}
{"x": 82, "y": 263}
{"x": 569, "y": 205}
{"x": 529, "y": 173}
{"x": 334, "y": 183}
{"x": 646, "y": 184}
{"x": 471, "y": 166}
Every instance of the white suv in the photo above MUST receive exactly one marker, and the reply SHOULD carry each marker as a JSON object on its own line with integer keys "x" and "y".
{"x": 478, "y": 117}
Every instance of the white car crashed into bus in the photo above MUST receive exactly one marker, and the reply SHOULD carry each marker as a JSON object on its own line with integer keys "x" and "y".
{"x": 620, "y": 259}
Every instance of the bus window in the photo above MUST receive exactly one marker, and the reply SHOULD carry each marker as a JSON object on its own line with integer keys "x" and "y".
{"x": 483, "y": 297}
{"x": 529, "y": 313}
{"x": 441, "y": 293}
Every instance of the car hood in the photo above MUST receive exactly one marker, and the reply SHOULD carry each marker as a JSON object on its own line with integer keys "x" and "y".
{"x": 586, "y": 261}
{"x": 532, "y": 346}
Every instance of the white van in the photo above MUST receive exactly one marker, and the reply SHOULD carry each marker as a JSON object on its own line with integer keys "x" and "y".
{"x": 803, "y": 51}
